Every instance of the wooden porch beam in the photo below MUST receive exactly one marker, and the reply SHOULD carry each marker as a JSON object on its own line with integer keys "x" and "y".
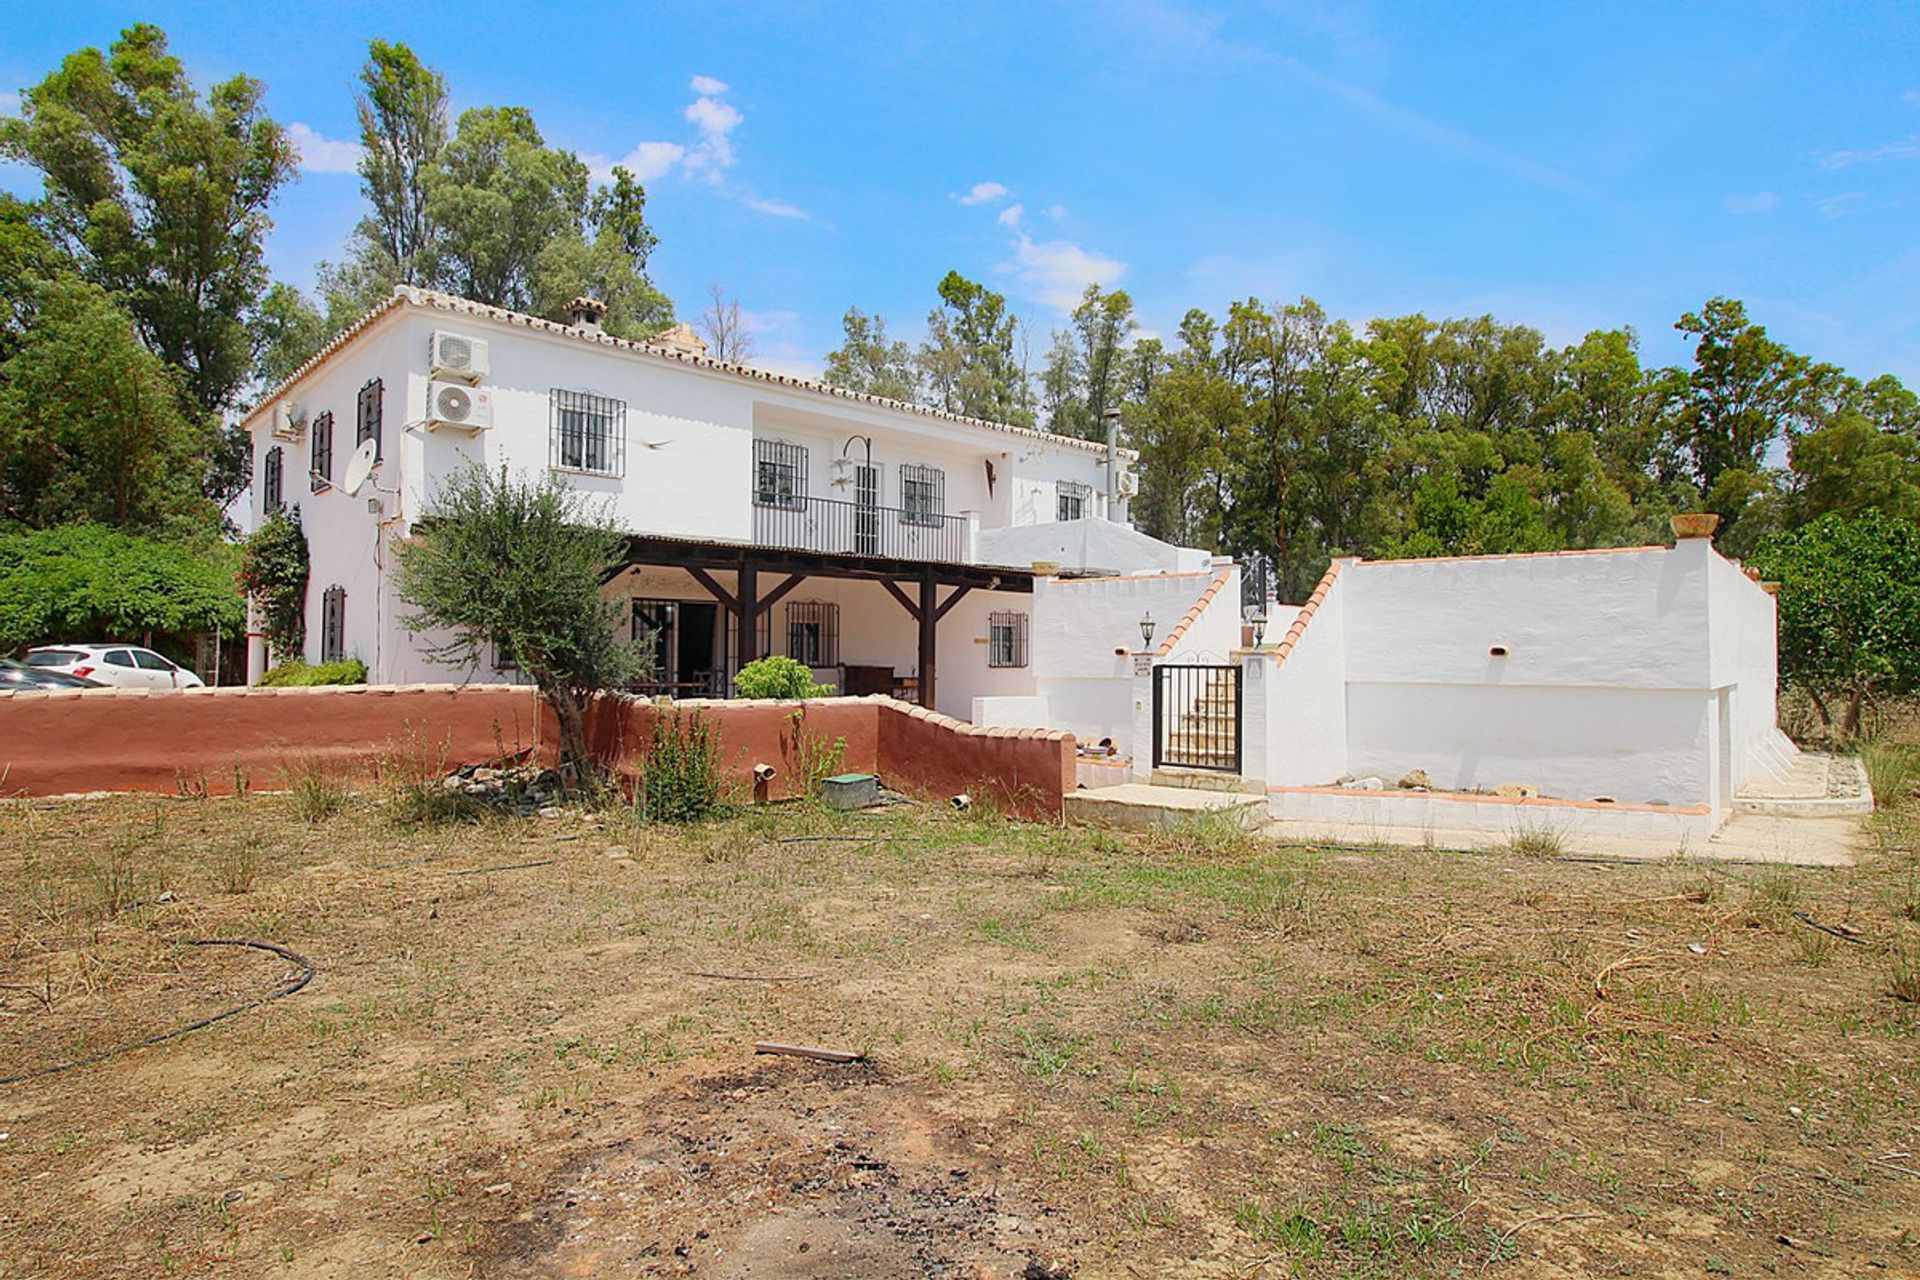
{"x": 906, "y": 602}
{"x": 718, "y": 592}
{"x": 959, "y": 593}
{"x": 779, "y": 593}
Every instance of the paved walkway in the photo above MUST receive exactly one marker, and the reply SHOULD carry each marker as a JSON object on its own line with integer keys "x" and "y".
{"x": 1744, "y": 837}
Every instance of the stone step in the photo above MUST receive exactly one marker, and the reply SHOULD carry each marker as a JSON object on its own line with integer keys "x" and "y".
{"x": 1137, "y": 806}
{"x": 1204, "y": 780}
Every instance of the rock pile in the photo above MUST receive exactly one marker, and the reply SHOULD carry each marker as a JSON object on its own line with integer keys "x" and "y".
{"x": 521, "y": 789}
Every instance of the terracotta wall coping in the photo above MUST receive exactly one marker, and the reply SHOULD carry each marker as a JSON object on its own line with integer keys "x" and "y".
{"x": 257, "y": 691}
{"x": 1194, "y": 611}
{"x": 1307, "y": 610}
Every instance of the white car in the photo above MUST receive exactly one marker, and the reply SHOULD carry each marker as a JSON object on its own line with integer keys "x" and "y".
{"x": 126, "y": 666}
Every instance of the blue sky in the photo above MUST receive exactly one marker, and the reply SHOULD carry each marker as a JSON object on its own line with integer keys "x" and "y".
{"x": 1568, "y": 166}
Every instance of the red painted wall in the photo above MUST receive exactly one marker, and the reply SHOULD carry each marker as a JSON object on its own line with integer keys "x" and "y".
{"x": 69, "y": 741}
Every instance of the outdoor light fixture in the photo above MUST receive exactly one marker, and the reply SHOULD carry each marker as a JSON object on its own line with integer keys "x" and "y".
{"x": 1259, "y": 624}
{"x": 1146, "y": 628}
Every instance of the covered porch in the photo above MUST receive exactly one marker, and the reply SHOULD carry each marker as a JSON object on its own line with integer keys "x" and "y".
{"x": 932, "y": 632}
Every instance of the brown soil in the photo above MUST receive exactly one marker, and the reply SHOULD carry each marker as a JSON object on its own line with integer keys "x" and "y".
{"x": 1087, "y": 1056}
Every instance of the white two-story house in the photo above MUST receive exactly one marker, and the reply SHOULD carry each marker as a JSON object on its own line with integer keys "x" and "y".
{"x": 768, "y": 514}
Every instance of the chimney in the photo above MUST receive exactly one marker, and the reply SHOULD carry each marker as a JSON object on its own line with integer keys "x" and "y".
{"x": 584, "y": 313}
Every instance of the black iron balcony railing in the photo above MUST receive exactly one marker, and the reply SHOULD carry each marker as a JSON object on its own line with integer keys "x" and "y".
{"x": 855, "y": 528}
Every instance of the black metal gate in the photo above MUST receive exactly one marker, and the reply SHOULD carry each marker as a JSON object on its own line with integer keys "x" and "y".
{"x": 1196, "y": 717}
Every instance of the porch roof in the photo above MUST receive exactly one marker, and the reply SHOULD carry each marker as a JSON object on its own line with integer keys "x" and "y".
{"x": 708, "y": 554}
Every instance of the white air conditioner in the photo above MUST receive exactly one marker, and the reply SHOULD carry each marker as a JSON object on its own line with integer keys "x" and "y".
{"x": 457, "y": 405}
{"x": 288, "y": 420}
{"x": 456, "y": 356}
{"x": 1128, "y": 484}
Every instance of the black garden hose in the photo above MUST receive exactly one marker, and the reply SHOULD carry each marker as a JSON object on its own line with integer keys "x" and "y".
{"x": 286, "y": 988}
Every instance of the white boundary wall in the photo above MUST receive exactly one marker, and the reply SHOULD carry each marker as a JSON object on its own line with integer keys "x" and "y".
{"x": 1643, "y": 676}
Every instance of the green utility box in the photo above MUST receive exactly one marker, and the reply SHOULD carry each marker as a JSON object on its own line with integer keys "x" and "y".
{"x": 851, "y": 791}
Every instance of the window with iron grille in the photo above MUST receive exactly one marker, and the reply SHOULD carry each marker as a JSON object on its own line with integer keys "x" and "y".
{"x": 367, "y": 417}
{"x": 923, "y": 494}
{"x": 779, "y": 474}
{"x": 1007, "y": 639}
{"x": 1074, "y": 499}
{"x": 588, "y": 432}
{"x": 322, "y": 451}
{"x": 813, "y": 633}
{"x": 273, "y": 495}
{"x": 333, "y": 624}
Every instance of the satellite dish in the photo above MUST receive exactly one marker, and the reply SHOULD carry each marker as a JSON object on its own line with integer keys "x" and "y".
{"x": 359, "y": 467}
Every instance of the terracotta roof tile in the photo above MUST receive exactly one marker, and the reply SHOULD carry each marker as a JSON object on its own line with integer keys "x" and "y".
{"x": 1307, "y": 610}
{"x": 1193, "y": 614}
{"x": 429, "y": 299}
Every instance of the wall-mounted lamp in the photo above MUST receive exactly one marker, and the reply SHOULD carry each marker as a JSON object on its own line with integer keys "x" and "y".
{"x": 1146, "y": 629}
{"x": 1259, "y": 624}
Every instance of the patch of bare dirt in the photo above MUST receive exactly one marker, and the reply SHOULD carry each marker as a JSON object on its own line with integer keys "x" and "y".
{"x": 781, "y": 1170}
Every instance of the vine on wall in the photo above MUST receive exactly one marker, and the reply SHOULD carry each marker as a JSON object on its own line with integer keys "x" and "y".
{"x": 273, "y": 570}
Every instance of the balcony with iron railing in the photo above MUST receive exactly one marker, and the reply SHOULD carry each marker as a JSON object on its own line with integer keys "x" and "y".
{"x": 837, "y": 526}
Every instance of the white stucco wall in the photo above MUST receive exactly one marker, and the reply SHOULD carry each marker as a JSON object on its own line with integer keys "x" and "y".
{"x": 1603, "y": 690}
{"x": 1742, "y": 616}
{"x": 1087, "y": 630}
{"x": 1296, "y": 704}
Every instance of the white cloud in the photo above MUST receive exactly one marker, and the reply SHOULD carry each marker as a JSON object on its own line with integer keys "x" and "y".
{"x": 1756, "y": 202}
{"x": 1057, "y": 272}
{"x": 653, "y": 159}
{"x": 707, "y": 86}
{"x": 1057, "y": 212}
{"x": 1902, "y": 149}
{"x": 1839, "y": 206}
{"x": 9, "y": 102}
{"x": 321, "y": 154}
{"x": 713, "y": 154}
{"x": 776, "y": 208}
{"x": 1011, "y": 215}
{"x": 984, "y": 193}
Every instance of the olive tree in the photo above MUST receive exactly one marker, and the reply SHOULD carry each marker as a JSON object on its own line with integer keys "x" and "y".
{"x": 1849, "y": 610}
{"x": 519, "y": 563}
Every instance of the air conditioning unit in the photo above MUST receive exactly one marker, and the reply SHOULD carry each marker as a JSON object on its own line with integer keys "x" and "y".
{"x": 1128, "y": 484}
{"x": 455, "y": 356}
{"x": 289, "y": 419}
{"x": 457, "y": 405}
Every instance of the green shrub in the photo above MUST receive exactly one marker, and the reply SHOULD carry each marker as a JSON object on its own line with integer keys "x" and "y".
{"x": 680, "y": 777}
{"x": 776, "y": 677}
{"x": 345, "y": 671}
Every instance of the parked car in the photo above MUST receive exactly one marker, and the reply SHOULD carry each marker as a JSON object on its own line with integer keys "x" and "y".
{"x": 126, "y": 666}
{"x": 18, "y": 675}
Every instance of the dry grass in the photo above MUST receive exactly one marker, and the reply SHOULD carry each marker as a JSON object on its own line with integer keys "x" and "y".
{"x": 1187, "y": 1053}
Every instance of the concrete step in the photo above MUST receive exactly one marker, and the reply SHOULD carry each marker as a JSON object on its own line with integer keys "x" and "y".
{"x": 1139, "y": 807}
{"x": 1204, "y": 780}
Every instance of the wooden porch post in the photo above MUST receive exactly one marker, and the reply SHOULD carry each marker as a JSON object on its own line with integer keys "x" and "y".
{"x": 748, "y": 593}
{"x": 929, "y": 623}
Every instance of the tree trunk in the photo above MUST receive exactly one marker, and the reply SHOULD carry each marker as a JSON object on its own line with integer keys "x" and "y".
{"x": 571, "y": 717}
{"x": 1850, "y": 726}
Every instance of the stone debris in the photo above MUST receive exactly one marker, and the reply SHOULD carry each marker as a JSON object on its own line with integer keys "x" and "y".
{"x": 1364, "y": 784}
{"x": 522, "y": 789}
{"x": 1517, "y": 790}
{"x": 1416, "y": 781}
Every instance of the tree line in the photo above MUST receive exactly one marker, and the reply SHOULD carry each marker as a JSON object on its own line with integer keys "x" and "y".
{"x": 1280, "y": 429}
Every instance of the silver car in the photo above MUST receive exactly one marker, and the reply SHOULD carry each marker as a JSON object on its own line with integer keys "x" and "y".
{"x": 126, "y": 666}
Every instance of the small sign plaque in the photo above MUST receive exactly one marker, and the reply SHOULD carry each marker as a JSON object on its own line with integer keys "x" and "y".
{"x": 1143, "y": 664}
